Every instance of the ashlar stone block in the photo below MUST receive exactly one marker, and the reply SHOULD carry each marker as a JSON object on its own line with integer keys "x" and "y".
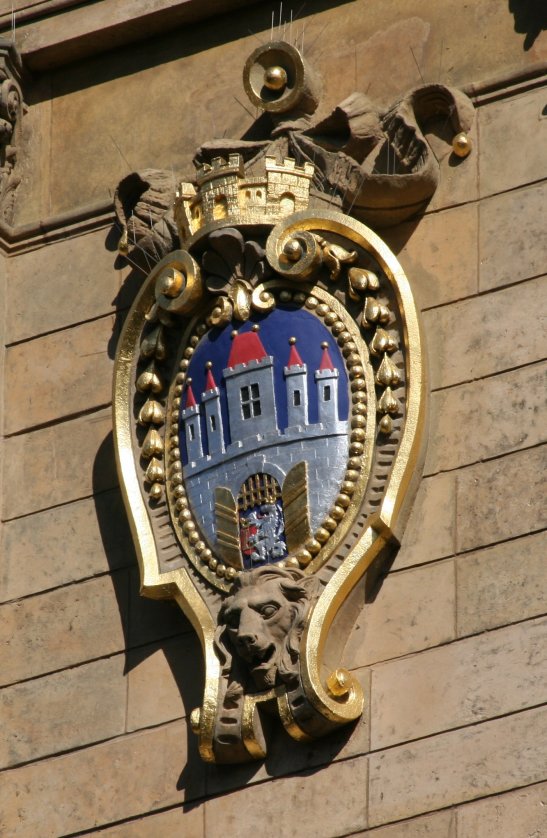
{"x": 502, "y": 498}
{"x": 484, "y": 335}
{"x": 459, "y": 684}
{"x": 514, "y": 131}
{"x": 64, "y": 544}
{"x": 501, "y": 584}
{"x": 61, "y": 628}
{"x": 454, "y": 767}
{"x": 58, "y": 464}
{"x": 487, "y": 418}
{"x": 413, "y": 609}
{"x": 58, "y": 375}
{"x": 283, "y": 807}
{"x": 59, "y": 712}
{"x": 100, "y": 784}
{"x": 78, "y": 272}
{"x": 513, "y": 237}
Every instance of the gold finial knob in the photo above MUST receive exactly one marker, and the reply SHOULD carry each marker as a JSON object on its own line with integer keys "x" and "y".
{"x": 293, "y": 250}
{"x": 233, "y": 334}
{"x": 188, "y": 382}
{"x": 255, "y": 327}
{"x": 209, "y": 365}
{"x": 324, "y": 344}
{"x": 169, "y": 283}
{"x": 292, "y": 341}
{"x": 275, "y": 78}
{"x": 461, "y": 144}
{"x": 339, "y": 683}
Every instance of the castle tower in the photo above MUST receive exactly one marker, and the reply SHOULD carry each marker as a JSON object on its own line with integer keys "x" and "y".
{"x": 213, "y": 417}
{"x": 250, "y": 387}
{"x": 296, "y": 377}
{"x": 326, "y": 378}
{"x": 192, "y": 426}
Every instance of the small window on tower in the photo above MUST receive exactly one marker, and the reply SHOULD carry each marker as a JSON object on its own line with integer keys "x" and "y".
{"x": 326, "y": 393}
{"x": 250, "y": 401}
{"x": 213, "y": 421}
{"x": 296, "y": 398}
{"x": 191, "y": 432}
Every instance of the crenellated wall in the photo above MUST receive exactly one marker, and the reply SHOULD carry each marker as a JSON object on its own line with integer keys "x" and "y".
{"x": 97, "y": 683}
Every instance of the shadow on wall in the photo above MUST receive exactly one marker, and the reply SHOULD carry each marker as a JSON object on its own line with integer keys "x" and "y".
{"x": 530, "y": 19}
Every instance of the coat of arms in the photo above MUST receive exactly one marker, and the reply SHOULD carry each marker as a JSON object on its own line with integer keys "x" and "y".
{"x": 269, "y": 396}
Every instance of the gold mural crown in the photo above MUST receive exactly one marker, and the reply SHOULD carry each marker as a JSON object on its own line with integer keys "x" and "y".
{"x": 226, "y": 195}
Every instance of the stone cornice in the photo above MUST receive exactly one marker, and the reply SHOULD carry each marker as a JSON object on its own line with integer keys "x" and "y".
{"x": 83, "y": 219}
{"x": 93, "y": 27}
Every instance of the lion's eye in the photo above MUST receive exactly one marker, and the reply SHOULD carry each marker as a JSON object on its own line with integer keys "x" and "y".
{"x": 232, "y": 619}
{"x": 268, "y": 611}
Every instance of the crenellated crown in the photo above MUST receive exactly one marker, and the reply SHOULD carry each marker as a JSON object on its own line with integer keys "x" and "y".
{"x": 225, "y": 195}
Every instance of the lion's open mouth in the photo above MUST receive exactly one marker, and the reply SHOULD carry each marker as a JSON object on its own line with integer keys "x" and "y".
{"x": 260, "y": 658}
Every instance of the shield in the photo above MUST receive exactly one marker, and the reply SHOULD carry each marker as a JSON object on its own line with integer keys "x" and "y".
{"x": 269, "y": 413}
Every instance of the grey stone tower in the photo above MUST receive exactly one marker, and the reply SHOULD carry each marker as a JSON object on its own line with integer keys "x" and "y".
{"x": 192, "y": 426}
{"x": 296, "y": 377}
{"x": 250, "y": 388}
{"x": 326, "y": 378}
{"x": 213, "y": 416}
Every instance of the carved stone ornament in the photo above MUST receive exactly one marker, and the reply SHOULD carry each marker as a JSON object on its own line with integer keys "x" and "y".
{"x": 269, "y": 395}
{"x": 11, "y": 111}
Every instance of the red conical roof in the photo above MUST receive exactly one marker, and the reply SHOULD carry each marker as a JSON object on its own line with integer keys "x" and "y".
{"x": 210, "y": 383}
{"x": 190, "y": 400}
{"x": 246, "y": 347}
{"x": 294, "y": 358}
{"x": 326, "y": 362}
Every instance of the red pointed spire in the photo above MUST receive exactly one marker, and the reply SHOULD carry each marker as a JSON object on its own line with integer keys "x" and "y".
{"x": 246, "y": 347}
{"x": 190, "y": 400}
{"x": 326, "y": 361}
{"x": 294, "y": 358}
{"x": 210, "y": 383}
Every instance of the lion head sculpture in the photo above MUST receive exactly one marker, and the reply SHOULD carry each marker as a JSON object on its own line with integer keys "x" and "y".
{"x": 262, "y": 621}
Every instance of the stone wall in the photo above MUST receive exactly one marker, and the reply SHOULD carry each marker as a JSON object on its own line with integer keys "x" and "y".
{"x": 96, "y": 683}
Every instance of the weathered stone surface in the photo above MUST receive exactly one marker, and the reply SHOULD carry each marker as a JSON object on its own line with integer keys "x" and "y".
{"x": 514, "y": 141}
{"x": 58, "y": 464}
{"x": 414, "y": 609}
{"x": 64, "y": 544}
{"x": 502, "y": 499}
{"x": 62, "y": 711}
{"x": 152, "y": 619}
{"x": 58, "y": 375}
{"x": 459, "y": 178}
{"x": 459, "y": 684}
{"x": 486, "y": 418}
{"x": 431, "y": 529}
{"x": 439, "y": 255}
{"x": 513, "y": 238}
{"x": 284, "y": 807}
{"x": 176, "y": 823}
{"x": 78, "y": 273}
{"x": 457, "y": 766}
{"x": 126, "y": 777}
{"x": 501, "y": 584}
{"x": 439, "y": 825}
{"x": 485, "y": 335}
{"x": 165, "y": 681}
{"x": 61, "y": 628}
{"x": 521, "y": 812}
